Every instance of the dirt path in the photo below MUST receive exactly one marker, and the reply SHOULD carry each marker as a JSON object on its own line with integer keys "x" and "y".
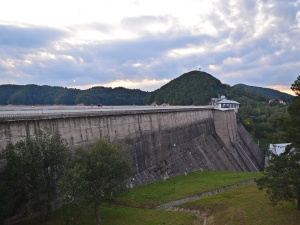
{"x": 168, "y": 205}
{"x": 201, "y": 216}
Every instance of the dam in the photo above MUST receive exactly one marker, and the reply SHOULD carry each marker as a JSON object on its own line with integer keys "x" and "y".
{"x": 162, "y": 141}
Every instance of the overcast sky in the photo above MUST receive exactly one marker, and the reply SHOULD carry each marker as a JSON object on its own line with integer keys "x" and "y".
{"x": 144, "y": 44}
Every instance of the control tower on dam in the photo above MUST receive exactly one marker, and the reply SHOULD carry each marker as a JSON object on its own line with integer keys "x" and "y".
{"x": 163, "y": 141}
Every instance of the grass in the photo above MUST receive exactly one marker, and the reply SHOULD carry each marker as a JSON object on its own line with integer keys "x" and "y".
{"x": 120, "y": 215}
{"x": 154, "y": 194}
{"x": 245, "y": 205}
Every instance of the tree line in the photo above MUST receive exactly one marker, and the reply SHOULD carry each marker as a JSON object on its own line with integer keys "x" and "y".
{"x": 267, "y": 92}
{"x": 281, "y": 178}
{"x": 40, "y": 170}
{"x": 46, "y": 95}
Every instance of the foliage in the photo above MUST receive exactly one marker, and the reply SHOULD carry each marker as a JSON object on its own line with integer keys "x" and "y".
{"x": 282, "y": 178}
{"x": 192, "y": 88}
{"x": 110, "y": 96}
{"x": 96, "y": 175}
{"x": 7, "y": 90}
{"x": 267, "y": 92}
{"x": 264, "y": 121}
{"x": 293, "y": 121}
{"x": 197, "y": 88}
{"x": 46, "y": 95}
{"x": 33, "y": 167}
{"x": 67, "y": 96}
{"x": 296, "y": 86}
{"x": 282, "y": 175}
{"x": 34, "y": 95}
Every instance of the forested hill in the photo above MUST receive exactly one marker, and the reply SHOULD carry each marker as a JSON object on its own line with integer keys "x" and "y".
{"x": 192, "y": 88}
{"x": 46, "y": 95}
{"x": 197, "y": 88}
{"x": 267, "y": 92}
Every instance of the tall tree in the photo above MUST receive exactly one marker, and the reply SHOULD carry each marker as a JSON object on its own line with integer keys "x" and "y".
{"x": 33, "y": 168}
{"x": 296, "y": 86}
{"x": 293, "y": 121}
{"x": 282, "y": 175}
{"x": 282, "y": 178}
{"x": 96, "y": 174}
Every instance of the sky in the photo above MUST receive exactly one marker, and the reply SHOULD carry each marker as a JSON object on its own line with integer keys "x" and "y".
{"x": 144, "y": 44}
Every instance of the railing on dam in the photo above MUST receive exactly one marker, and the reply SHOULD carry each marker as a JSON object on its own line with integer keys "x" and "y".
{"x": 9, "y": 113}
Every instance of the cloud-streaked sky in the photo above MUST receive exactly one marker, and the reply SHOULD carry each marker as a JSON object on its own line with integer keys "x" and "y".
{"x": 144, "y": 44}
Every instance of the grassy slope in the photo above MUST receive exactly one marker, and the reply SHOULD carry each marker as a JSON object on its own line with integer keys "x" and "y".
{"x": 154, "y": 194}
{"x": 120, "y": 215}
{"x": 245, "y": 205}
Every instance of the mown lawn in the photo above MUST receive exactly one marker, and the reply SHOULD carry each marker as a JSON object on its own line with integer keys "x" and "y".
{"x": 121, "y": 215}
{"x": 245, "y": 205}
{"x": 154, "y": 194}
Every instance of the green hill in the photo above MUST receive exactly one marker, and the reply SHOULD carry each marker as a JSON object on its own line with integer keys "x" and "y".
{"x": 197, "y": 88}
{"x": 6, "y": 91}
{"x": 33, "y": 95}
{"x": 112, "y": 96}
{"x": 192, "y": 88}
{"x": 46, "y": 95}
{"x": 267, "y": 92}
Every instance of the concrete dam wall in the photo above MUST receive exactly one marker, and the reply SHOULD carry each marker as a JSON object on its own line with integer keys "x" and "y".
{"x": 162, "y": 143}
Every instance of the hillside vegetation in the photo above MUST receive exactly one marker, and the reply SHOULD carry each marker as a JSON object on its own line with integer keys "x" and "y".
{"x": 192, "y": 88}
{"x": 46, "y": 95}
{"x": 267, "y": 92}
{"x": 197, "y": 88}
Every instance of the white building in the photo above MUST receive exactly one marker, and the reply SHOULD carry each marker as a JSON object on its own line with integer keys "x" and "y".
{"x": 224, "y": 104}
{"x": 277, "y": 149}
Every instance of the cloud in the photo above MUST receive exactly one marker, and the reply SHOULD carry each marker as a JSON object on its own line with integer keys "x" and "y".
{"x": 148, "y": 22}
{"x": 282, "y": 88}
{"x": 146, "y": 85}
{"x": 251, "y": 42}
{"x": 28, "y": 37}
